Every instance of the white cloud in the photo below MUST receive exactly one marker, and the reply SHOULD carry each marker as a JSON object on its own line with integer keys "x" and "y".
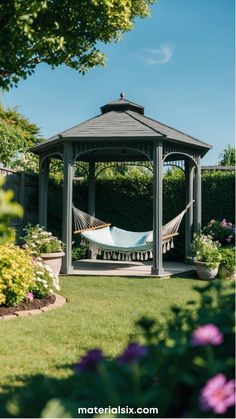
{"x": 160, "y": 55}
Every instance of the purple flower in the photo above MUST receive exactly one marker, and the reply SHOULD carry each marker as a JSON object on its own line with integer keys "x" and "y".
{"x": 208, "y": 334}
{"x": 218, "y": 394}
{"x": 132, "y": 352}
{"x": 89, "y": 361}
{"x": 229, "y": 239}
{"x": 30, "y": 296}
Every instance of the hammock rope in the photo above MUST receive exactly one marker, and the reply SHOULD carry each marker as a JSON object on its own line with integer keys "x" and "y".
{"x": 85, "y": 223}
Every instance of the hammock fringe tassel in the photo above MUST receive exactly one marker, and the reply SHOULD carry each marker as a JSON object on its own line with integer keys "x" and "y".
{"x": 126, "y": 256}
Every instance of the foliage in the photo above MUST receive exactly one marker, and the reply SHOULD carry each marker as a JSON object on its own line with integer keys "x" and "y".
{"x": 17, "y": 136}
{"x": 206, "y": 250}
{"x": 228, "y": 156}
{"x": 9, "y": 210}
{"x": 16, "y": 274}
{"x": 45, "y": 279}
{"x": 222, "y": 231}
{"x": 170, "y": 369}
{"x": 79, "y": 252}
{"x": 39, "y": 241}
{"x": 228, "y": 259}
{"x": 60, "y": 32}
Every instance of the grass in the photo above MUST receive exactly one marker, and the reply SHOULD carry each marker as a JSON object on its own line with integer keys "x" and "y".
{"x": 101, "y": 312}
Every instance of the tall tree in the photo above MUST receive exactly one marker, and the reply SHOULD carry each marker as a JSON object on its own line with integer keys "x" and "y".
{"x": 17, "y": 135}
{"x": 228, "y": 156}
{"x": 60, "y": 32}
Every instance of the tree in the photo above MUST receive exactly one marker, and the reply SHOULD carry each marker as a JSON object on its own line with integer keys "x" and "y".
{"x": 17, "y": 135}
{"x": 228, "y": 156}
{"x": 60, "y": 32}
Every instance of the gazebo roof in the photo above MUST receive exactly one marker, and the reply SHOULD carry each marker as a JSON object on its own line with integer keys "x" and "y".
{"x": 122, "y": 119}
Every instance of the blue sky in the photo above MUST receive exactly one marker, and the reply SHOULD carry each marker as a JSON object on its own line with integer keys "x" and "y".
{"x": 179, "y": 64}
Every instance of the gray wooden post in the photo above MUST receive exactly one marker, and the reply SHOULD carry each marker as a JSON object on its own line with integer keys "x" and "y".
{"x": 43, "y": 190}
{"x": 189, "y": 172}
{"x": 157, "y": 268}
{"x": 198, "y": 197}
{"x": 91, "y": 189}
{"x": 67, "y": 207}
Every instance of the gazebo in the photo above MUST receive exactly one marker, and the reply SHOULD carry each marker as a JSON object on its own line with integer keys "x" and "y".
{"x": 122, "y": 133}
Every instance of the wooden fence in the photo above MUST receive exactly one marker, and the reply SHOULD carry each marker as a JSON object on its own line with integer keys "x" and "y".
{"x": 25, "y": 188}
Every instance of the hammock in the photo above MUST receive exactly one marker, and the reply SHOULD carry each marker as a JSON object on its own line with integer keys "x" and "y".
{"x": 115, "y": 243}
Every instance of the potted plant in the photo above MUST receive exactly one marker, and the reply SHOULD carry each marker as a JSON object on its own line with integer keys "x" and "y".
{"x": 207, "y": 256}
{"x": 42, "y": 243}
{"x": 227, "y": 264}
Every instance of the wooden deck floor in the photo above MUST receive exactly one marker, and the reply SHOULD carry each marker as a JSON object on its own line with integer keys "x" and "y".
{"x": 130, "y": 269}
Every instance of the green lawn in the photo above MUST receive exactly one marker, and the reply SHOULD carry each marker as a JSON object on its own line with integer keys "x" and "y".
{"x": 100, "y": 312}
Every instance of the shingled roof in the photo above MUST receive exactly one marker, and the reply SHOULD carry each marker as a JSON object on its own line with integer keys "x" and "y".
{"x": 123, "y": 119}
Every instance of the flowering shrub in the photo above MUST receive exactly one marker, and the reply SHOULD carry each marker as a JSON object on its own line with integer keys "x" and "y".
{"x": 39, "y": 241}
{"x": 206, "y": 250}
{"x": 185, "y": 370}
{"x": 222, "y": 231}
{"x": 44, "y": 280}
{"x": 16, "y": 274}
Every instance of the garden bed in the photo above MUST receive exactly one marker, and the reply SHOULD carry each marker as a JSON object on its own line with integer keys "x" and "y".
{"x": 36, "y": 304}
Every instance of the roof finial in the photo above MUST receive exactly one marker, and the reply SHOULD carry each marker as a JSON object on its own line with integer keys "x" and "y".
{"x": 122, "y": 95}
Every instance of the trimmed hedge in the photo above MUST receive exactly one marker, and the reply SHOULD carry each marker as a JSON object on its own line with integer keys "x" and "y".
{"x": 128, "y": 202}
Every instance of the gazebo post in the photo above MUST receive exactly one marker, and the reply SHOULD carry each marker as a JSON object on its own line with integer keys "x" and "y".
{"x": 157, "y": 268}
{"x": 198, "y": 197}
{"x": 67, "y": 207}
{"x": 189, "y": 171}
{"x": 91, "y": 188}
{"x": 43, "y": 190}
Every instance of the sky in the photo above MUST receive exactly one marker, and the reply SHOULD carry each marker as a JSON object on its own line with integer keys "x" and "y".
{"x": 178, "y": 64}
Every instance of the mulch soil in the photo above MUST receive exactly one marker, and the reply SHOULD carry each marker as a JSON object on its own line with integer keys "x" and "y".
{"x": 31, "y": 305}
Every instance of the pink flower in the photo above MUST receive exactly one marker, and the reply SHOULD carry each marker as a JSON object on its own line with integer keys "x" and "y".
{"x": 218, "y": 394}
{"x": 208, "y": 334}
{"x": 132, "y": 352}
{"x": 30, "y": 296}
{"x": 34, "y": 260}
{"x": 224, "y": 223}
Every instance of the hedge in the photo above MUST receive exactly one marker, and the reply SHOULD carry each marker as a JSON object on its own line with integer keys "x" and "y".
{"x": 127, "y": 202}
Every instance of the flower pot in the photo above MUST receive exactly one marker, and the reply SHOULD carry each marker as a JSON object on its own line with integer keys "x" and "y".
{"x": 224, "y": 273}
{"x": 204, "y": 272}
{"x": 53, "y": 260}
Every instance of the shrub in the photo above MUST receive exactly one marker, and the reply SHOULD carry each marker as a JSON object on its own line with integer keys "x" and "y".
{"x": 79, "y": 252}
{"x": 222, "y": 231}
{"x": 206, "y": 250}
{"x": 227, "y": 261}
{"x": 16, "y": 274}
{"x": 39, "y": 241}
{"x": 9, "y": 210}
{"x": 44, "y": 279}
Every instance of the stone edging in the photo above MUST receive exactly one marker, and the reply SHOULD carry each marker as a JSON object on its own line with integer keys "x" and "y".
{"x": 59, "y": 301}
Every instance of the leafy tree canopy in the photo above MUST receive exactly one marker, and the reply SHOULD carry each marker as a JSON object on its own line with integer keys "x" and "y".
{"x": 228, "y": 156}
{"x": 60, "y": 31}
{"x": 17, "y": 136}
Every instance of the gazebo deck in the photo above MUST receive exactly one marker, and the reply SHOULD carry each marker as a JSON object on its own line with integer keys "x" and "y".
{"x": 129, "y": 269}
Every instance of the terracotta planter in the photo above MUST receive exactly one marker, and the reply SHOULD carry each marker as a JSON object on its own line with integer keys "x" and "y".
{"x": 204, "y": 272}
{"x": 223, "y": 273}
{"x": 53, "y": 260}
